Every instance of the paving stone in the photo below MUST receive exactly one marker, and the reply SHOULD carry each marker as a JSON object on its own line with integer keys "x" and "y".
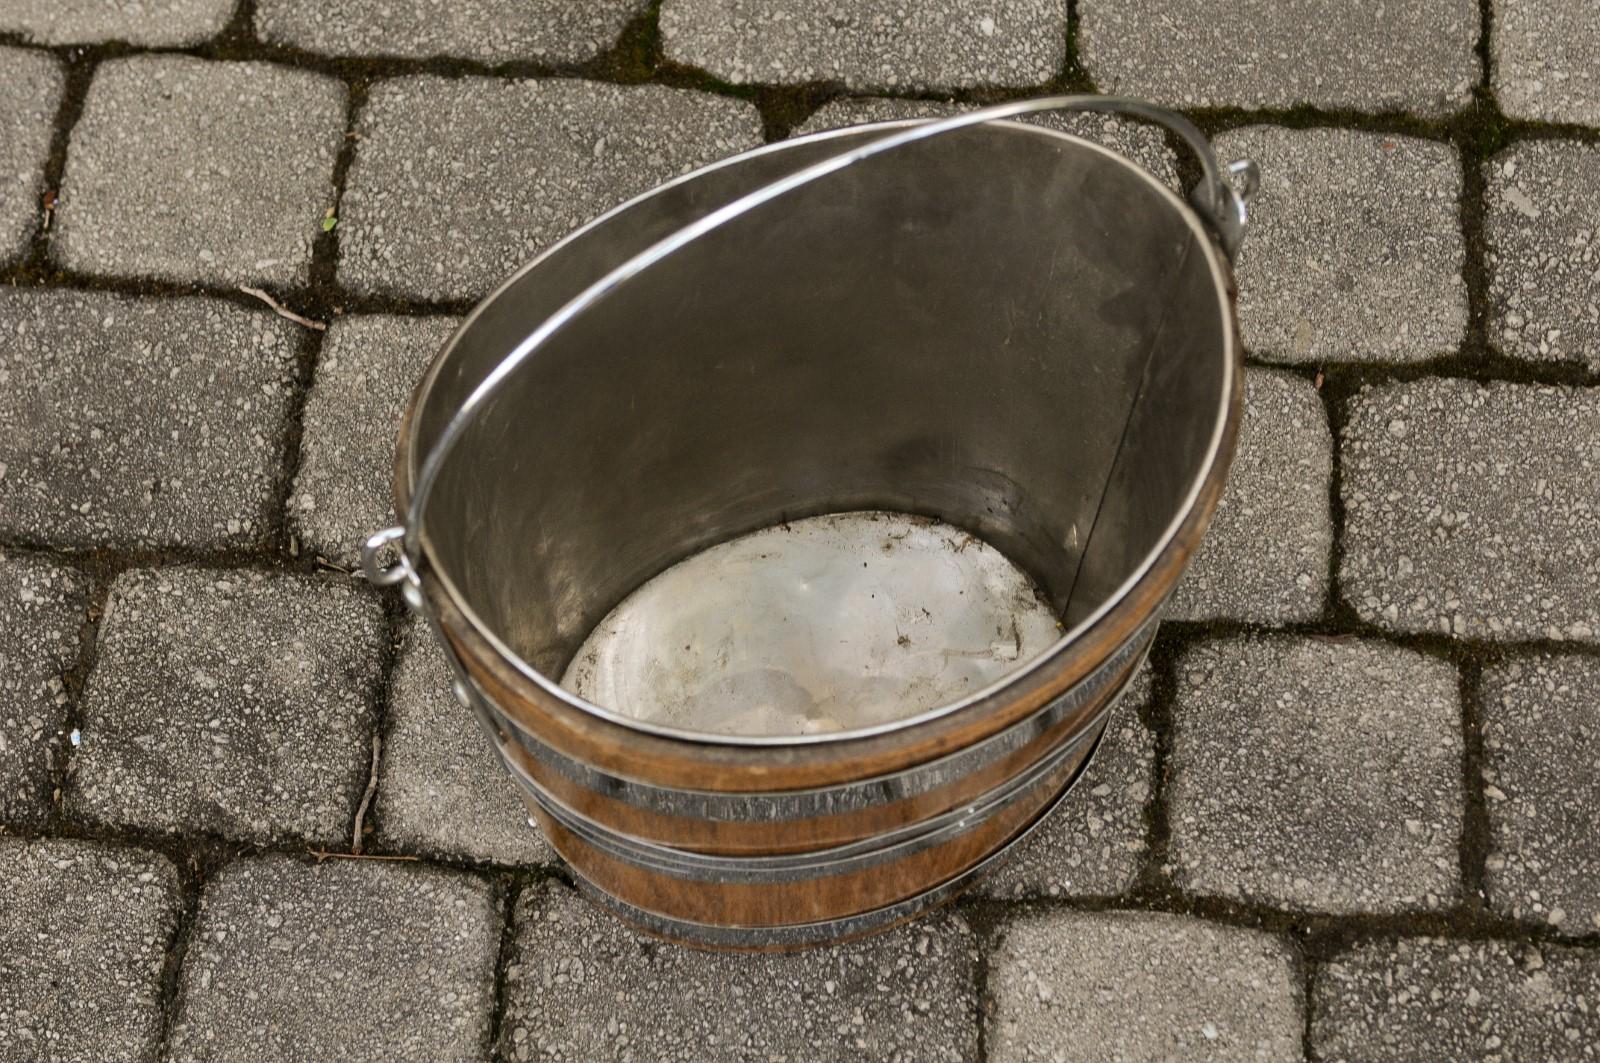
{"x": 1419, "y": 1000}
{"x": 344, "y": 490}
{"x": 41, "y": 609}
{"x": 582, "y": 986}
{"x": 1144, "y": 144}
{"x": 151, "y": 23}
{"x": 458, "y": 181}
{"x": 1447, "y": 480}
{"x": 1319, "y": 775}
{"x": 1140, "y": 985}
{"x": 1265, "y": 557}
{"x": 442, "y": 790}
{"x": 869, "y": 44}
{"x": 1355, "y": 250}
{"x": 340, "y": 960}
{"x": 1364, "y": 55}
{"x": 230, "y": 702}
{"x": 489, "y": 31}
{"x": 84, "y": 933}
{"x": 27, "y": 119}
{"x": 1543, "y": 253}
{"x": 141, "y": 422}
{"x": 1547, "y": 60}
{"x": 193, "y": 171}
{"x": 1541, "y": 737}
{"x": 1093, "y": 844}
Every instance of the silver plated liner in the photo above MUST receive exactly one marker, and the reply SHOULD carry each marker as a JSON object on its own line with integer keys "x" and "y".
{"x": 1221, "y": 210}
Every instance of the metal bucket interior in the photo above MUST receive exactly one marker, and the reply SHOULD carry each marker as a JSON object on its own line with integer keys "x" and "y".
{"x": 1006, "y": 328}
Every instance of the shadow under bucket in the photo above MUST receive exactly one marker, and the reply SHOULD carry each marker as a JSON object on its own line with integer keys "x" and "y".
{"x": 793, "y": 527}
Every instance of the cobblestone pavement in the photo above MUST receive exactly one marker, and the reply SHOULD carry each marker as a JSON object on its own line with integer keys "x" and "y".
{"x": 1350, "y": 810}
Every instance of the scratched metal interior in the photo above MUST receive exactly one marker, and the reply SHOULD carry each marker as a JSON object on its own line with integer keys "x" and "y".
{"x": 1002, "y": 328}
{"x": 815, "y": 626}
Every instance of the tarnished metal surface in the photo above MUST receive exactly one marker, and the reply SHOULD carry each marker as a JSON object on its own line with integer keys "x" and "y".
{"x": 826, "y": 624}
{"x": 845, "y": 346}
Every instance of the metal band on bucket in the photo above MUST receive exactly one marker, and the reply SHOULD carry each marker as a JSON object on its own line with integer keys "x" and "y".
{"x": 801, "y": 935}
{"x": 780, "y": 806}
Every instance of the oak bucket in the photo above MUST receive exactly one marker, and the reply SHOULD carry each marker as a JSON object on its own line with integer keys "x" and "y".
{"x": 767, "y": 452}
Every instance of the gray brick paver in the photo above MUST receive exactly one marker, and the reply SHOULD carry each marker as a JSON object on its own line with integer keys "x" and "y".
{"x": 200, "y": 172}
{"x": 1307, "y": 774}
{"x": 1547, "y": 60}
{"x": 1093, "y": 844}
{"x": 1265, "y": 557}
{"x": 581, "y": 986}
{"x": 149, "y": 23}
{"x": 869, "y": 44}
{"x": 1355, "y": 251}
{"x": 230, "y": 702}
{"x": 34, "y": 83}
{"x": 1319, "y": 775}
{"x": 489, "y": 31}
{"x": 1364, "y": 54}
{"x": 1541, "y": 737}
{"x": 1071, "y": 986}
{"x": 1144, "y": 144}
{"x": 41, "y": 609}
{"x": 1473, "y": 509}
{"x": 338, "y": 961}
{"x": 442, "y": 789}
{"x": 456, "y": 182}
{"x": 1543, "y": 236}
{"x": 344, "y": 488}
{"x": 1425, "y": 999}
{"x": 84, "y": 933}
{"x": 141, "y": 422}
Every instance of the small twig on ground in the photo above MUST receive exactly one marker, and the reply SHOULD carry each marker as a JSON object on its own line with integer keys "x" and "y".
{"x": 323, "y": 854}
{"x": 283, "y": 311}
{"x": 366, "y": 798}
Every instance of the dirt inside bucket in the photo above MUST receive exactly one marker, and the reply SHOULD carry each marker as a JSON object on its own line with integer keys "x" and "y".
{"x": 826, "y": 624}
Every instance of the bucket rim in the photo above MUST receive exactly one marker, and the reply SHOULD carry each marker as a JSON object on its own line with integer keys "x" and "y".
{"x": 1213, "y": 466}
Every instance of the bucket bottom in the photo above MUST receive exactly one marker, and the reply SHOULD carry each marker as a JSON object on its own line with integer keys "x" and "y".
{"x": 826, "y": 624}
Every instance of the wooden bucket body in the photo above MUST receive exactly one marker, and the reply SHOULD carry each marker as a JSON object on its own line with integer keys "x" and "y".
{"x": 657, "y": 449}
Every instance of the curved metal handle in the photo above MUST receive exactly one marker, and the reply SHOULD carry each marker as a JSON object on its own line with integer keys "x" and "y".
{"x": 1218, "y": 203}
{"x": 1223, "y": 207}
